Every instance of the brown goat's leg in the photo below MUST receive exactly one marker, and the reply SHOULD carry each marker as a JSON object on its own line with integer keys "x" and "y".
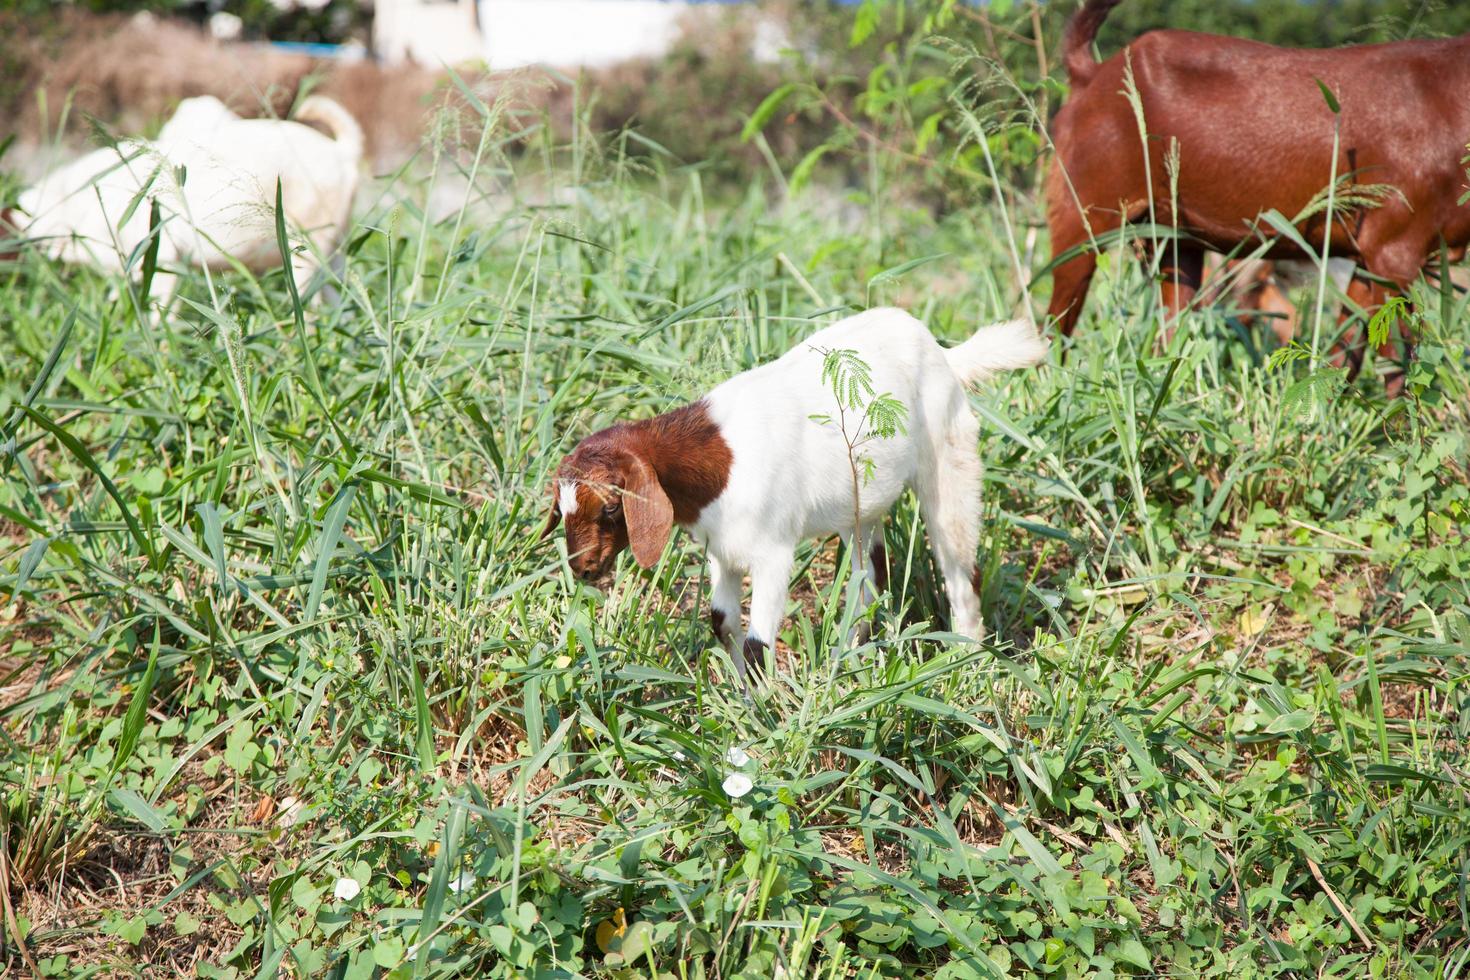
{"x": 1180, "y": 274}
{"x": 1069, "y": 284}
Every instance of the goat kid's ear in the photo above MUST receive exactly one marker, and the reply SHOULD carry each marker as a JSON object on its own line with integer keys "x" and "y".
{"x": 649, "y": 513}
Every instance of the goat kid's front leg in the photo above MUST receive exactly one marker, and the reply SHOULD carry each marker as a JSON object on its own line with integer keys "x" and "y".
{"x": 724, "y": 610}
{"x": 770, "y": 583}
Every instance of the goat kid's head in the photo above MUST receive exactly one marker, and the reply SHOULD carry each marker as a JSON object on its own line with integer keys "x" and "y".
{"x": 609, "y": 498}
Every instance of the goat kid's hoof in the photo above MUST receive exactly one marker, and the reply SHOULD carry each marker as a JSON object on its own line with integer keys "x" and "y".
{"x": 754, "y": 654}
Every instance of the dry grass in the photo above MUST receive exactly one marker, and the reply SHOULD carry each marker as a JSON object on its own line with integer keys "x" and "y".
{"x": 127, "y": 874}
{"x": 130, "y": 72}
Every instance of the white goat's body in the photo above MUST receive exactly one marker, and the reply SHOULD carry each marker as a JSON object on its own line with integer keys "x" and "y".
{"x": 224, "y": 212}
{"x": 791, "y": 473}
{"x": 791, "y": 477}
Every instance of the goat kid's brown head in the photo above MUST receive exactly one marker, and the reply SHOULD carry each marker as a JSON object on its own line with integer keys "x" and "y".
{"x": 609, "y": 498}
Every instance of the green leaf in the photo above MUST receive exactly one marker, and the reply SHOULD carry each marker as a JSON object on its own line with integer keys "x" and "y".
{"x": 1034, "y": 849}
{"x": 864, "y": 23}
{"x": 388, "y": 952}
{"x": 326, "y": 545}
{"x": 1140, "y": 756}
{"x": 132, "y": 803}
{"x": 1293, "y": 721}
{"x": 185, "y": 924}
{"x": 1320, "y": 386}
{"x": 803, "y": 171}
{"x": 132, "y": 930}
{"x": 893, "y": 273}
{"x": 29, "y": 563}
{"x": 150, "y": 257}
{"x": 137, "y": 714}
{"x": 149, "y": 482}
{"x": 424, "y": 742}
{"x": 1328, "y": 97}
{"x": 1393, "y": 309}
{"x": 58, "y": 347}
{"x": 84, "y": 457}
{"x": 636, "y": 943}
{"x": 1383, "y": 772}
{"x": 1287, "y": 230}
{"x": 765, "y": 111}
{"x": 928, "y": 130}
{"x": 445, "y": 863}
{"x": 304, "y": 895}
{"x": 1131, "y": 951}
{"x": 240, "y": 749}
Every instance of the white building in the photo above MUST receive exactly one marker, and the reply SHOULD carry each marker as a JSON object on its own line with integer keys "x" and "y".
{"x": 508, "y": 34}
{"x": 429, "y": 32}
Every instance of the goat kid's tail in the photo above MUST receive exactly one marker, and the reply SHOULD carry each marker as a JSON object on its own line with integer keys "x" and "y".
{"x": 999, "y": 347}
{"x": 1077, "y": 41}
{"x": 339, "y": 122}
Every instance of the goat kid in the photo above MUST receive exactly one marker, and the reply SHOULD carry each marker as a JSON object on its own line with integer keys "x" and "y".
{"x": 1253, "y": 133}
{"x": 751, "y": 469}
{"x": 224, "y": 211}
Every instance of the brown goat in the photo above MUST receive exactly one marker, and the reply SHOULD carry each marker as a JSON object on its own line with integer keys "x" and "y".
{"x": 1253, "y": 132}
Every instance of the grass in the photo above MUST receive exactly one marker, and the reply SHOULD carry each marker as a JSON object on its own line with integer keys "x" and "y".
{"x": 291, "y": 684}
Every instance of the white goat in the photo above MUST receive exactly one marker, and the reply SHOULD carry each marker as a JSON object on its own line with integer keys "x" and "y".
{"x": 214, "y": 176}
{"x": 762, "y": 462}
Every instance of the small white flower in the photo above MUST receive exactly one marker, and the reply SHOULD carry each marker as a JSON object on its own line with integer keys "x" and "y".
{"x": 737, "y": 784}
{"x": 346, "y": 889}
{"x": 737, "y": 756}
{"x": 463, "y": 881}
{"x": 680, "y": 756}
{"x": 291, "y": 813}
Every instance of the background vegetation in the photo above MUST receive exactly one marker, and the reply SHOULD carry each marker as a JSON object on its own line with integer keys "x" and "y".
{"x": 289, "y": 682}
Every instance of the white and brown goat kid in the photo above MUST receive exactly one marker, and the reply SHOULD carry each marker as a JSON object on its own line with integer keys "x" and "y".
{"x": 751, "y": 469}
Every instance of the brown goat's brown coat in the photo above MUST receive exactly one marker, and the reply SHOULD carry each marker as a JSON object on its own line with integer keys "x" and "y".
{"x": 1254, "y": 133}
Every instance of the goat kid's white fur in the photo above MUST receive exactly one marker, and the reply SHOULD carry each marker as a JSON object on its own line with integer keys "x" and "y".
{"x": 791, "y": 479}
{"x": 225, "y": 210}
